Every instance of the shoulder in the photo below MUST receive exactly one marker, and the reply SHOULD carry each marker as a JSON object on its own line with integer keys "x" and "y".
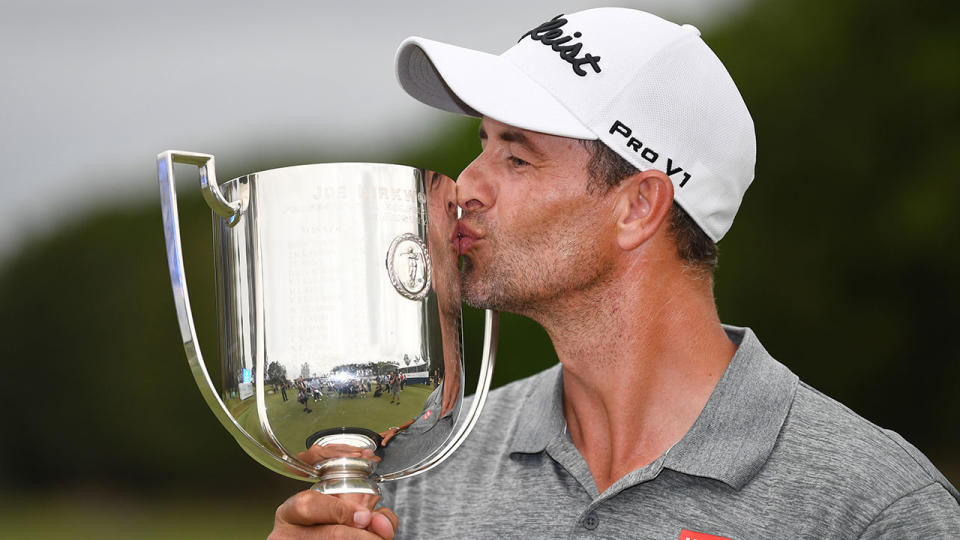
{"x": 827, "y": 450}
{"x": 506, "y": 399}
{"x": 509, "y": 413}
{"x": 855, "y": 444}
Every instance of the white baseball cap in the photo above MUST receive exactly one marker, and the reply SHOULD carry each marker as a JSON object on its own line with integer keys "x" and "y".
{"x": 649, "y": 89}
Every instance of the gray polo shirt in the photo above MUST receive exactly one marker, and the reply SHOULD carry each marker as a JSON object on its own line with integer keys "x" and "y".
{"x": 768, "y": 457}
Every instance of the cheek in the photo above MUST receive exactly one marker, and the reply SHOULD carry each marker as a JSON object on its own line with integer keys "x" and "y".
{"x": 544, "y": 222}
{"x": 526, "y": 218}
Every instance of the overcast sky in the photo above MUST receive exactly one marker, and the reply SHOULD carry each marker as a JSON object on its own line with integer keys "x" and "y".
{"x": 92, "y": 90}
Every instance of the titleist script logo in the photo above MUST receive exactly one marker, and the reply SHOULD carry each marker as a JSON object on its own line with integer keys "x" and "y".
{"x": 549, "y": 33}
{"x": 646, "y": 152}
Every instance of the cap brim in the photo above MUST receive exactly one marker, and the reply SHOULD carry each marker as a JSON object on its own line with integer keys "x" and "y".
{"x": 475, "y": 83}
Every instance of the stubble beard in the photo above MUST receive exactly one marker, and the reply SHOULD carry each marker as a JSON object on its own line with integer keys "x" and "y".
{"x": 491, "y": 288}
{"x": 526, "y": 277}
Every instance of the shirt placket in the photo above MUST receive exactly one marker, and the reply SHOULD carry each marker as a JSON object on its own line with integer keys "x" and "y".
{"x": 589, "y": 522}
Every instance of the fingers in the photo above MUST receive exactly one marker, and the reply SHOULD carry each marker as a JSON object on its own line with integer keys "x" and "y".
{"x": 386, "y": 436}
{"x": 331, "y": 451}
{"x": 338, "y": 450}
{"x": 316, "y": 453}
{"x": 384, "y": 523}
{"x": 309, "y": 514}
{"x": 313, "y": 508}
{"x": 359, "y": 500}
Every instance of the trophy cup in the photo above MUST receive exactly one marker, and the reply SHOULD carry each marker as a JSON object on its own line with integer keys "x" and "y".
{"x": 339, "y": 318}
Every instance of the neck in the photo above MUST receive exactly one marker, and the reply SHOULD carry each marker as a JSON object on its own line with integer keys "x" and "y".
{"x": 636, "y": 375}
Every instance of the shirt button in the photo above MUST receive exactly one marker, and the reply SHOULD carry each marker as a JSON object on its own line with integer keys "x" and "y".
{"x": 590, "y": 522}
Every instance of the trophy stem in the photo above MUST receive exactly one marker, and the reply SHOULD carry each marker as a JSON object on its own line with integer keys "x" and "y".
{"x": 341, "y": 474}
{"x": 347, "y": 475}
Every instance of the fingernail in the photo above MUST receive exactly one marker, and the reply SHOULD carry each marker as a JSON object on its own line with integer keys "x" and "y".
{"x": 361, "y": 518}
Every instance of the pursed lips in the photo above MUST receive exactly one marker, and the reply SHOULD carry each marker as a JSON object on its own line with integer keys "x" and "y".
{"x": 464, "y": 237}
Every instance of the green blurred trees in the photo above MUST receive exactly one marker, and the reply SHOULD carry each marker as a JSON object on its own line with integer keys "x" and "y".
{"x": 844, "y": 259}
{"x": 845, "y": 254}
{"x": 276, "y": 374}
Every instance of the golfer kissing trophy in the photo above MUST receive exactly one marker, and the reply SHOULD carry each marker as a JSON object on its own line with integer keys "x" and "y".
{"x": 339, "y": 318}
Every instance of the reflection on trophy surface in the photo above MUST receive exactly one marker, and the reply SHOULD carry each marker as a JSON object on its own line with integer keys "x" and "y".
{"x": 339, "y": 316}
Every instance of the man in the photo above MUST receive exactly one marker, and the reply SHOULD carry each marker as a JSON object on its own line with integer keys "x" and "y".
{"x": 394, "y": 387}
{"x": 616, "y": 151}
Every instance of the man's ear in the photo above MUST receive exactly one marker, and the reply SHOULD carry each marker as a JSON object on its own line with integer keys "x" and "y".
{"x": 643, "y": 204}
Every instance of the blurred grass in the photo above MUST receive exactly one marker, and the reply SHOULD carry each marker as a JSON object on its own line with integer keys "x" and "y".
{"x": 103, "y": 516}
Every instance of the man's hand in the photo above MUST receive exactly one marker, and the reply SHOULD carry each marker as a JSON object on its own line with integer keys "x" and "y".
{"x": 317, "y": 453}
{"x": 392, "y": 432}
{"x": 310, "y": 514}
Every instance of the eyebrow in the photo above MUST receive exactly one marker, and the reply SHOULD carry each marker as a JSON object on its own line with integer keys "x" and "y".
{"x": 515, "y": 137}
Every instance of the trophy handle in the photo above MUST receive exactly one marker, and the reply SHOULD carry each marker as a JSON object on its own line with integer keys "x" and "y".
{"x": 491, "y": 332}
{"x": 232, "y": 212}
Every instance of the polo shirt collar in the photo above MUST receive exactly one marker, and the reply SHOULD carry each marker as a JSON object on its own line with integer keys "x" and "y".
{"x": 730, "y": 440}
{"x": 739, "y": 426}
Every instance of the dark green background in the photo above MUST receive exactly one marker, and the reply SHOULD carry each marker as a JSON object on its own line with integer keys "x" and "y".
{"x": 844, "y": 259}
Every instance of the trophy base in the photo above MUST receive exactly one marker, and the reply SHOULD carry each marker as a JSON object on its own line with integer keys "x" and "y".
{"x": 339, "y": 486}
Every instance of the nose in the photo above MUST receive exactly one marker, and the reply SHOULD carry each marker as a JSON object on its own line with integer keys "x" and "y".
{"x": 476, "y": 188}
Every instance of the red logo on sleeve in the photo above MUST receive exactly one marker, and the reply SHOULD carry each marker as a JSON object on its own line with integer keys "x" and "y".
{"x": 693, "y": 535}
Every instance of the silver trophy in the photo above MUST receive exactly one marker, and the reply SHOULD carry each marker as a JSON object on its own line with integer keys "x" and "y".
{"x": 339, "y": 318}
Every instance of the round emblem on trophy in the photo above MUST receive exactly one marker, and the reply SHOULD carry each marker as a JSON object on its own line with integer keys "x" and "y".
{"x": 408, "y": 265}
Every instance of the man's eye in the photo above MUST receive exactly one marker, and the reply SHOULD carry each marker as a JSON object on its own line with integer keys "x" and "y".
{"x": 517, "y": 162}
